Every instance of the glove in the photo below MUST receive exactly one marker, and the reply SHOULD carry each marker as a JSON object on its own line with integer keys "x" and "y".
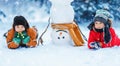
{"x": 21, "y": 37}
{"x": 95, "y": 45}
{"x": 26, "y": 40}
{"x": 17, "y": 40}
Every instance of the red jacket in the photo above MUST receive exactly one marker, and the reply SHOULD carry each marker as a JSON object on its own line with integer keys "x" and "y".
{"x": 99, "y": 37}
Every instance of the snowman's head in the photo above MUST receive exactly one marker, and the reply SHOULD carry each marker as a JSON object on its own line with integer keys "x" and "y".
{"x": 61, "y": 37}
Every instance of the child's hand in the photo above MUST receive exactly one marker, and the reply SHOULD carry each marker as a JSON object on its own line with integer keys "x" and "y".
{"x": 95, "y": 45}
{"x": 26, "y": 40}
{"x": 16, "y": 40}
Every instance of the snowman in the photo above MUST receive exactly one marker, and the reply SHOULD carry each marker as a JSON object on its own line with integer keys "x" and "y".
{"x": 65, "y": 30}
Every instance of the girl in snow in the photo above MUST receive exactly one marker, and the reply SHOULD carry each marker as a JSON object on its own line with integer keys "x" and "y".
{"x": 21, "y": 35}
{"x": 101, "y": 34}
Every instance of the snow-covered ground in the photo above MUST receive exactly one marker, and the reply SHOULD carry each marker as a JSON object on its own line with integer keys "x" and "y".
{"x": 53, "y": 55}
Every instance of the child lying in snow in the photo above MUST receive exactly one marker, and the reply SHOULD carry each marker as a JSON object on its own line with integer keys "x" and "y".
{"x": 21, "y": 34}
{"x": 101, "y": 34}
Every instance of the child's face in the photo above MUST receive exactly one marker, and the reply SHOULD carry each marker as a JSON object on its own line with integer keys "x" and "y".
{"x": 99, "y": 25}
{"x": 19, "y": 28}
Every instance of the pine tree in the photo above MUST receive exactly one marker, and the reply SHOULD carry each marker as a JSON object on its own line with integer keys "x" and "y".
{"x": 85, "y": 9}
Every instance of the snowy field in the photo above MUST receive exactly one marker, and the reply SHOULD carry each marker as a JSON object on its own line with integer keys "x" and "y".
{"x": 53, "y": 55}
{"x": 50, "y": 54}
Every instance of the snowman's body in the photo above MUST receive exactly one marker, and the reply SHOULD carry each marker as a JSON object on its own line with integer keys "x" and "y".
{"x": 61, "y": 11}
{"x": 62, "y": 15}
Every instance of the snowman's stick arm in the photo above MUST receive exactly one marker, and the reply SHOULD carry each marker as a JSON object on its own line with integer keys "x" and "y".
{"x": 40, "y": 40}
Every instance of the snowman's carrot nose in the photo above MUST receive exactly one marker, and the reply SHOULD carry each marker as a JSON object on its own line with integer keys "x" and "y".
{"x": 60, "y": 33}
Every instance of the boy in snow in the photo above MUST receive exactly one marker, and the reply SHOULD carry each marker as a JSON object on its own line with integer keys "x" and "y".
{"x": 101, "y": 34}
{"x": 21, "y": 35}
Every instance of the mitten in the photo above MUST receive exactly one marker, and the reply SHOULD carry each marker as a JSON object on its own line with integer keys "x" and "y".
{"x": 26, "y": 40}
{"x": 95, "y": 45}
{"x": 17, "y": 40}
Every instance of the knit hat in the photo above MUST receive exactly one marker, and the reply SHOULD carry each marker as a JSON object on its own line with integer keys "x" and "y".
{"x": 105, "y": 14}
{"x": 101, "y": 19}
{"x": 20, "y": 20}
{"x": 104, "y": 19}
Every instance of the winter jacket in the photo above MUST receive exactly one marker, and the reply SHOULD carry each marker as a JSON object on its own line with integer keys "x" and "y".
{"x": 98, "y": 37}
{"x": 30, "y": 32}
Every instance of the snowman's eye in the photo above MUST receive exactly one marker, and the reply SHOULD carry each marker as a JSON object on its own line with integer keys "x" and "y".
{"x": 63, "y": 37}
{"x": 58, "y": 37}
